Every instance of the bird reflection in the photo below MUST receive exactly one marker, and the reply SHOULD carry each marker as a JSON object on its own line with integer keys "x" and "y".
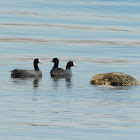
{"x": 68, "y": 82}
{"x": 57, "y": 79}
{"x": 25, "y": 81}
{"x": 36, "y": 82}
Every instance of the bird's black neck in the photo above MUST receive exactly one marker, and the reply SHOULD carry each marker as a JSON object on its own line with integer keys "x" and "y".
{"x": 55, "y": 65}
{"x": 36, "y": 67}
{"x": 68, "y": 67}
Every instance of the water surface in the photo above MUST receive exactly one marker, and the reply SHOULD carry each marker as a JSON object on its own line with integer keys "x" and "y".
{"x": 99, "y": 36}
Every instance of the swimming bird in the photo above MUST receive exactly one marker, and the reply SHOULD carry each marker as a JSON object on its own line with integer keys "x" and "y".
{"x": 114, "y": 79}
{"x": 24, "y": 73}
{"x": 68, "y": 71}
{"x": 55, "y": 71}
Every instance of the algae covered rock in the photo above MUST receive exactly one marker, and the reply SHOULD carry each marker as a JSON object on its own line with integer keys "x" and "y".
{"x": 114, "y": 79}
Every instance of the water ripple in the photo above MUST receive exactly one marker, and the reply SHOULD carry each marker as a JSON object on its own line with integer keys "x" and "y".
{"x": 73, "y": 27}
{"x": 70, "y": 41}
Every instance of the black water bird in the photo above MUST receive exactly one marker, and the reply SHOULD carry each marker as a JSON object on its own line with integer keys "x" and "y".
{"x": 55, "y": 71}
{"x": 25, "y": 73}
{"x": 68, "y": 71}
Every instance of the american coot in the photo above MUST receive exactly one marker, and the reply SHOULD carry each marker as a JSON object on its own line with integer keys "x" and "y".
{"x": 114, "y": 79}
{"x": 68, "y": 71}
{"x": 24, "y": 73}
{"x": 55, "y": 71}
{"x": 59, "y": 71}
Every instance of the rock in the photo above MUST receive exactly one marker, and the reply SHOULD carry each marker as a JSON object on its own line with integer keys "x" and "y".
{"x": 114, "y": 79}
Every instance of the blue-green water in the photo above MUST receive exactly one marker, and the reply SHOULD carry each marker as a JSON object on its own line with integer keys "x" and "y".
{"x": 99, "y": 36}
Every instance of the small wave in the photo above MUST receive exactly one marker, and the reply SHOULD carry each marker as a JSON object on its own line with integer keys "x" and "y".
{"x": 71, "y": 27}
{"x": 76, "y": 42}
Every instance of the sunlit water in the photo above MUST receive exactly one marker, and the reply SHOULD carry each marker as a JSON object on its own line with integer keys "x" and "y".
{"x": 99, "y": 36}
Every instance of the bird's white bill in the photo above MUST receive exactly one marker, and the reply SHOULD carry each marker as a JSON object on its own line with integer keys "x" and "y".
{"x": 74, "y": 64}
{"x": 40, "y": 61}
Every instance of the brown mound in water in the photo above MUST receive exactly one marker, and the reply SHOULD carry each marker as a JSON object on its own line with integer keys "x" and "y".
{"x": 114, "y": 79}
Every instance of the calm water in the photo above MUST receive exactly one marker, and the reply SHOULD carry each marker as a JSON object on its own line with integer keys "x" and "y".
{"x": 99, "y": 36}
